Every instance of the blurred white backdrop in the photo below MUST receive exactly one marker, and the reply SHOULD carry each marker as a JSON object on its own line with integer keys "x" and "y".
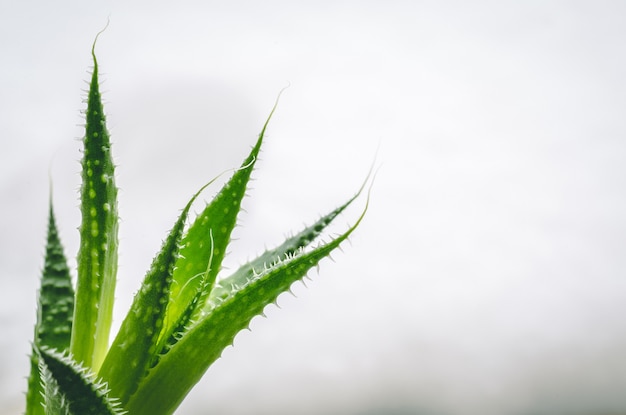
{"x": 488, "y": 276}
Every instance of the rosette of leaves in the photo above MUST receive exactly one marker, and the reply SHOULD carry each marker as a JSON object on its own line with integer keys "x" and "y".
{"x": 181, "y": 318}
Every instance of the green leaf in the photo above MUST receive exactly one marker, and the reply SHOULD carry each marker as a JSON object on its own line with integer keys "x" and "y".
{"x": 177, "y": 371}
{"x": 97, "y": 256}
{"x": 135, "y": 345}
{"x": 244, "y": 274}
{"x": 171, "y": 335}
{"x": 56, "y": 296}
{"x": 53, "y": 400}
{"x": 35, "y": 391}
{"x": 214, "y": 224}
{"x": 71, "y": 389}
{"x": 54, "y": 311}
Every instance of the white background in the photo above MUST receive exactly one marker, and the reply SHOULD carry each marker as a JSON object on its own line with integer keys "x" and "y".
{"x": 488, "y": 275}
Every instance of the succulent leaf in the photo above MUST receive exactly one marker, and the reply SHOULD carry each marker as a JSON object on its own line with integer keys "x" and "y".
{"x": 218, "y": 218}
{"x": 175, "y": 332}
{"x": 54, "y": 311}
{"x": 35, "y": 391}
{"x": 247, "y": 272}
{"x": 97, "y": 256}
{"x": 71, "y": 388}
{"x": 53, "y": 400}
{"x": 56, "y": 296}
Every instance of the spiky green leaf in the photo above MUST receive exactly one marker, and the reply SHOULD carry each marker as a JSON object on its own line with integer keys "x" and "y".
{"x": 247, "y": 272}
{"x": 56, "y": 296}
{"x": 97, "y": 256}
{"x": 71, "y": 389}
{"x": 35, "y": 392}
{"x": 53, "y": 400}
{"x": 215, "y": 225}
{"x": 172, "y": 334}
{"x": 55, "y": 307}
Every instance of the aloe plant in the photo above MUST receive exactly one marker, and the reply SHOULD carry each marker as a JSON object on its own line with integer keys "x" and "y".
{"x": 183, "y": 315}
